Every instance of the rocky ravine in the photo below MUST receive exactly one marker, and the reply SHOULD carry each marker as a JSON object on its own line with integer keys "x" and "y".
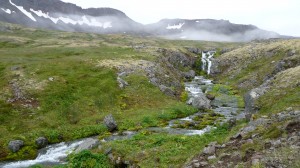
{"x": 268, "y": 74}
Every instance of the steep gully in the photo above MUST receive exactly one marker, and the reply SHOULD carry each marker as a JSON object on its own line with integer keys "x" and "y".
{"x": 56, "y": 154}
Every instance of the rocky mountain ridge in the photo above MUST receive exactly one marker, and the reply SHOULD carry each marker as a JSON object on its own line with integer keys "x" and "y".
{"x": 58, "y": 15}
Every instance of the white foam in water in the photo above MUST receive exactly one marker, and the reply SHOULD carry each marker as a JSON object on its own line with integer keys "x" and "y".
{"x": 186, "y": 119}
{"x": 199, "y": 132}
{"x": 193, "y": 90}
{"x": 53, "y": 154}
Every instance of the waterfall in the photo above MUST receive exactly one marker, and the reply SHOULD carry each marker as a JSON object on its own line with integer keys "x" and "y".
{"x": 206, "y": 60}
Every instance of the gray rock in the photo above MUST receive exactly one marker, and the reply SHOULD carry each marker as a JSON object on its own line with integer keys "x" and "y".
{"x": 194, "y": 50}
{"x": 189, "y": 75}
{"x": 41, "y": 142}
{"x": 225, "y": 156}
{"x": 110, "y": 123}
{"x": 166, "y": 90}
{"x": 236, "y": 136}
{"x": 178, "y": 59}
{"x": 247, "y": 129}
{"x": 261, "y": 122}
{"x": 211, "y": 157}
{"x": 293, "y": 139}
{"x": 15, "y": 145}
{"x": 154, "y": 81}
{"x": 210, "y": 96}
{"x": 291, "y": 53}
{"x": 236, "y": 156}
{"x": 196, "y": 164}
{"x": 89, "y": 143}
{"x": 122, "y": 83}
{"x": 250, "y": 98}
{"x": 203, "y": 164}
{"x": 201, "y": 102}
{"x": 276, "y": 143}
{"x": 210, "y": 150}
{"x": 14, "y": 68}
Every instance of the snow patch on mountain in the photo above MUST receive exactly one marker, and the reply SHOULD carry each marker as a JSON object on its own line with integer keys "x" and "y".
{"x": 21, "y": 8}
{"x": 45, "y": 15}
{"x": 8, "y": 11}
{"x": 179, "y": 26}
{"x": 84, "y": 20}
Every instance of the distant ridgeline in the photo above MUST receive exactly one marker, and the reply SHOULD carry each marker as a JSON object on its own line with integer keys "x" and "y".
{"x": 58, "y": 15}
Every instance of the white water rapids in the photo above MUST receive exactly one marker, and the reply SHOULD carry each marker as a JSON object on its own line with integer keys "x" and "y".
{"x": 51, "y": 155}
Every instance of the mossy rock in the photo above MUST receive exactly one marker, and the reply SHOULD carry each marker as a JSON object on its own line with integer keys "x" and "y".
{"x": 27, "y": 152}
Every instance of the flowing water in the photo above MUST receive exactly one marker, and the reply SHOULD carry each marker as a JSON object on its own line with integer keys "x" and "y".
{"x": 51, "y": 155}
{"x": 206, "y": 60}
{"x": 227, "y": 106}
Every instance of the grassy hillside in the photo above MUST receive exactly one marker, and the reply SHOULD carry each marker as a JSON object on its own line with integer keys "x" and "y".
{"x": 61, "y": 85}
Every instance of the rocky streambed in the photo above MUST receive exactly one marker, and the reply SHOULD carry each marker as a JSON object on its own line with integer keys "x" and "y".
{"x": 212, "y": 111}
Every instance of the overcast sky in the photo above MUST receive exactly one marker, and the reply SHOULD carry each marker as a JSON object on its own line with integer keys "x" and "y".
{"x": 281, "y": 16}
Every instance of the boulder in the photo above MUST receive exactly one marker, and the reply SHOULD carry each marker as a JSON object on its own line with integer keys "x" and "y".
{"x": 211, "y": 157}
{"x": 210, "y": 96}
{"x": 15, "y": 145}
{"x": 110, "y": 123}
{"x": 210, "y": 150}
{"x": 189, "y": 75}
{"x": 201, "y": 102}
{"x": 250, "y": 98}
{"x": 166, "y": 90}
{"x": 41, "y": 142}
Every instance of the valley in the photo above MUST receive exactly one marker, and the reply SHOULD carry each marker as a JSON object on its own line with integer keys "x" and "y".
{"x": 61, "y": 85}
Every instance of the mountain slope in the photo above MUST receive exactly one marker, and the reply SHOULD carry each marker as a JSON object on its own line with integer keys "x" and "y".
{"x": 208, "y": 29}
{"x": 58, "y": 15}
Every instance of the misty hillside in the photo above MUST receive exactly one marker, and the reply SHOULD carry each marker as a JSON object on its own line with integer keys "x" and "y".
{"x": 58, "y": 15}
{"x": 209, "y": 30}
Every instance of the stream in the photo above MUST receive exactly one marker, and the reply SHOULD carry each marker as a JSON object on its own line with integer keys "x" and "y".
{"x": 225, "y": 105}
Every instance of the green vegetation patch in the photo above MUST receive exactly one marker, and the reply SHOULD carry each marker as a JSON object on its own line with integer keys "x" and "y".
{"x": 164, "y": 150}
